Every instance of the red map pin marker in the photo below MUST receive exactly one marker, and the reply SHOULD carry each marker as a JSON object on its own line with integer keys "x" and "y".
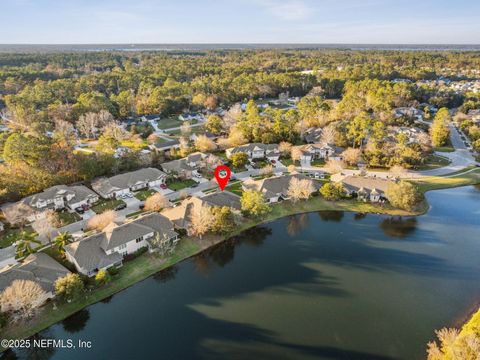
{"x": 222, "y": 174}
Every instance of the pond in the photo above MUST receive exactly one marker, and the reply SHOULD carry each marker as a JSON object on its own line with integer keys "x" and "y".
{"x": 326, "y": 285}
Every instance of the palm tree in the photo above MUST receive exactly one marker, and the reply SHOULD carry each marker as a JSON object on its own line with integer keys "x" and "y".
{"x": 63, "y": 240}
{"x": 24, "y": 243}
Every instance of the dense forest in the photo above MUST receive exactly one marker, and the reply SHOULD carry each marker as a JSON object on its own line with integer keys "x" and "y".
{"x": 75, "y": 94}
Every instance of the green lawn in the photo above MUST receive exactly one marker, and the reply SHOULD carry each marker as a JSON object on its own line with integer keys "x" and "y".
{"x": 286, "y": 161}
{"x": 170, "y": 122}
{"x": 261, "y": 163}
{"x": 9, "y": 236}
{"x": 134, "y": 214}
{"x": 434, "y": 162}
{"x": 67, "y": 218}
{"x": 446, "y": 148}
{"x": 318, "y": 162}
{"x": 144, "y": 194}
{"x": 162, "y": 140}
{"x": 235, "y": 188}
{"x": 180, "y": 184}
{"x": 441, "y": 182}
{"x": 194, "y": 130}
{"x": 104, "y": 205}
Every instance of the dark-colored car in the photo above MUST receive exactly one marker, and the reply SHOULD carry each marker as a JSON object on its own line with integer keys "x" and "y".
{"x": 163, "y": 186}
{"x": 141, "y": 206}
{"x": 120, "y": 207}
{"x": 80, "y": 210}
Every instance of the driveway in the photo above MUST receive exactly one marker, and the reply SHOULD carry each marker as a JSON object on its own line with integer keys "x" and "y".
{"x": 460, "y": 158}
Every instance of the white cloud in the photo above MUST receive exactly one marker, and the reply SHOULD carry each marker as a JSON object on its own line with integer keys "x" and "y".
{"x": 287, "y": 9}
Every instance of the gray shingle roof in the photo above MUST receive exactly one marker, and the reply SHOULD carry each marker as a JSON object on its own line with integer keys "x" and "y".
{"x": 274, "y": 186}
{"x": 90, "y": 253}
{"x": 105, "y": 186}
{"x": 368, "y": 184}
{"x": 39, "y": 268}
{"x": 253, "y": 146}
{"x": 223, "y": 198}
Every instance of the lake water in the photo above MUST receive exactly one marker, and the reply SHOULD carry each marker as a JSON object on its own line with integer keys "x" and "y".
{"x": 327, "y": 285}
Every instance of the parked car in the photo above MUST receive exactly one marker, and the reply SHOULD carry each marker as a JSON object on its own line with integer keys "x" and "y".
{"x": 80, "y": 210}
{"x": 130, "y": 195}
{"x": 273, "y": 162}
{"x": 163, "y": 186}
{"x": 120, "y": 207}
{"x": 141, "y": 206}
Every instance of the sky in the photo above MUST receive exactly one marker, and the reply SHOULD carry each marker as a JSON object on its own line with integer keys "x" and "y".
{"x": 240, "y": 21}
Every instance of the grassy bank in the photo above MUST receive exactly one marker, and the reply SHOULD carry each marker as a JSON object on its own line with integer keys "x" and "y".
{"x": 146, "y": 265}
{"x": 469, "y": 176}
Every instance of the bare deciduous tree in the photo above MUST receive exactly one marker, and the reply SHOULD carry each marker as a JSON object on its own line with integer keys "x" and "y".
{"x": 334, "y": 166}
{"x": 185, "y": 129}
{"x": 90, "y": 124}
{"x": 267, "y": 170}
{"x": 285, "y": 148}
{"x": 352, "y": 156}
{"x": 43, "y": 228}
{"x": 22, "y": 298}
{"x": 236, "y": 137}
{"x": 300, "y": 189}
{"x": 328, "y": 134}
{"x": 101, "y": 221}
{"x": 64, "y": 130}
{"x": 201, "y": 219}
{"x": 204, "y": 144}
{"x": 296, "y": 153}
{"x": 398, "y": 171}
{"x": 156, "y": 202}
{"x": 232, "y": 116}
{"x": 115, "y": 131}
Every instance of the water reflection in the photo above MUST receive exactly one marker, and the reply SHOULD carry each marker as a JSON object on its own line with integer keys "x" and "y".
{"x": 107, "y": 299}
{"x": 332, "y": 294}
{"x": 296, "y": 223}
{"x": 255, "y": 236}
{"x": 76, "y": 322}
{"x": 398, "y": 226}
{"x": 34, "y": 352}
{"x": 166, "y": 275}
{"x": 330, "y": 215}
{"x": 359, "y": 216}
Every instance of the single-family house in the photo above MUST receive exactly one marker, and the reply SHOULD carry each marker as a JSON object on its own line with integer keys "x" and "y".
{"x": 57, "y": 197}
{"x": 190, "y": 117}
{"x": 188, "y": 167}
{"x": 7, "y": 256}
{"x": 256, "y": 151}
{"x": 132, "y": 181}
{"x": 318, "y": 151}
{"x": 275, "y": 189}
{"x": 366, "y": 188}
{"x": 181, "y": 214}
{"x": 222, "y": 199}
{"x": 165, "y": 145}
{"x": 409, "y": 112}
{"x": 108, "y": 248}
{"x": 39, "y": 268}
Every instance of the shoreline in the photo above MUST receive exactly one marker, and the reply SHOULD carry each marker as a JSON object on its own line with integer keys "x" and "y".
{"x": 146, "y": 265}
